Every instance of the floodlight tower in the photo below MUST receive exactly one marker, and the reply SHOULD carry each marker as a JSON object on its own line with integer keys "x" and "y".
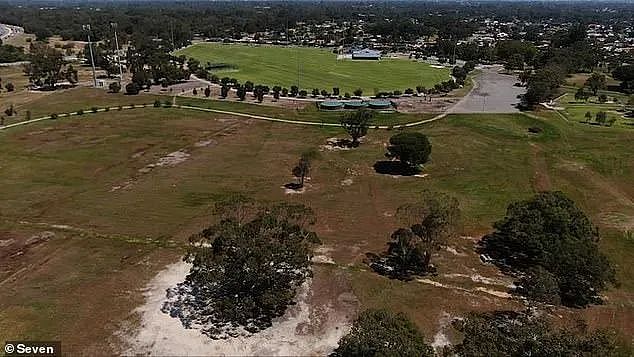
{"x": 92, "y": 58}
{"x": 116, "y": 41}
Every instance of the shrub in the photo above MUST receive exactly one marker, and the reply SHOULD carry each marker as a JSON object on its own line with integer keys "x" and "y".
{"x": 114, "y": 87}
{"x": 80, "y": 112}
{"x": 157, "y": 103}
{"x": 383, "y": 333}
{"x": 94, "y": 109}
{"x": 132, "y": 88}
{"x": 54, "y": 116}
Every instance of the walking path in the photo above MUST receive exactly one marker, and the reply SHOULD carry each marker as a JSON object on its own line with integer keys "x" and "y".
{"x": 244, "y": 115}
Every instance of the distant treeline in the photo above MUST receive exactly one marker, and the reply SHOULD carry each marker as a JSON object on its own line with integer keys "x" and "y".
{"x": 177, "y": 22}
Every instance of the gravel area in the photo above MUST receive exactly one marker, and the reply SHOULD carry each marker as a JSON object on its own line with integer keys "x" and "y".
{"x": 493, "y": 92}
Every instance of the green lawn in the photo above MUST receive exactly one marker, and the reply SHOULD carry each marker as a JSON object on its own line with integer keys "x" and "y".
{"x": 576, "y": 110}
{"x": 320, "y": 68}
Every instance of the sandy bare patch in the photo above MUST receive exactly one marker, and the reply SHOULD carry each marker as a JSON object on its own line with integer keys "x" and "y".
{"x": 322, "y": 255}
{"x": 440, "y": 338}
{"x": 437, "y": 284}
{"x": 205, "y": 143}
{"x": 477, "y": 278}
{"x": 347, "y": 182}
{"x": 335, "y": 144}
{"x": 311, "y": 327}
{"x": 6, "y": 242}
{"x": 171, "y": 159}
{"x": 453, "y": 251}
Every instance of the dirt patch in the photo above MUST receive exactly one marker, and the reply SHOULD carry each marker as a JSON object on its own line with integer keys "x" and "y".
{"x": 541, "y": 179}
{"x": 322, "y": 315}
{"x": 424, "y": 104}
{"x": 336, "y": 144}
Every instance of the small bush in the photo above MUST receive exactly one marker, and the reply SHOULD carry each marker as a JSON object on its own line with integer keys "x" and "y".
{"x": 54, "y": 116}
{"x": 94, "y": 109}
{"x": 80, "y": 112}
{"x": 167, "y": 104}
{"x": 157, "y": 103}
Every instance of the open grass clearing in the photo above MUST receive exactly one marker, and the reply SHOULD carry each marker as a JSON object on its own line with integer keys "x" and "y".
{"x": 59, "y": 176}
{"x": 576, "y": 110}
{"x": 317, "y": 68}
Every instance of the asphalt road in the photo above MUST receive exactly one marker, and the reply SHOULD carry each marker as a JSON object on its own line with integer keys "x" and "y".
{"x": 493, "y": 92}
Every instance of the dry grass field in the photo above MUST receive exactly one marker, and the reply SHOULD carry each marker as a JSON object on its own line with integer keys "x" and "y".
{"x": 94, "y": 206}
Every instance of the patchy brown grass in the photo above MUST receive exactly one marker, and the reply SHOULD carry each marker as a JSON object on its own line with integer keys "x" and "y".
{"x": 79, "y": 285}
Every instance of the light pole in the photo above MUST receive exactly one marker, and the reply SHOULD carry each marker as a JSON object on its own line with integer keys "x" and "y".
{"x": 92, "y": 58}
{"x": 116, "y": 41}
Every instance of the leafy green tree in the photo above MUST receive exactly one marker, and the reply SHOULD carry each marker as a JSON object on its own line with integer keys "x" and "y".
{"x": 335, "y": 91}
{"x": 315, "y": 92}
{"x": 581, "y": 94}
{"x": 603, "y": 98}
{"x": 224, "y": 91}
{"x": 543, "y": 85}
{"x": 431, "y": 221}
{"x": 358, "y": 92}
{"x": 588, "y": 116}
{"x": 9, "y": 87}
{"x": 595, "y": 82}
{"x": 411, "y": 148}
{"x": 248, "y": 86}
{"x": 540, "y": 285}
{"x": 294, "y": 91}
{"x": 601, "y": 117}
{"x": 356, "y": 124}
{"x": 383, "y": 333}
{"x": 507, "y": 333}
{"x": 515, "y": 62}
{"x": 132, "y": 88}
{"x": 245, "y": 272}
{"x": 551, "y": 232}
{"x": 114, "y": 87}
{"x": 241, "y": 93}
{"x": 45, "y": 67}
{"x": 10, "y": 111}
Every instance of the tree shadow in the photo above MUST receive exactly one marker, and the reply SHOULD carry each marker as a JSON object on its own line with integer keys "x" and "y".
{"x": 293, "y": 186}
{"x": 383, "y": 265}
{"x": 399, "y": 168}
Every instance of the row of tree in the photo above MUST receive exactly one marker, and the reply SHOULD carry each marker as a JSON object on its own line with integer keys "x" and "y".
{"x": 497, "y": 333}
